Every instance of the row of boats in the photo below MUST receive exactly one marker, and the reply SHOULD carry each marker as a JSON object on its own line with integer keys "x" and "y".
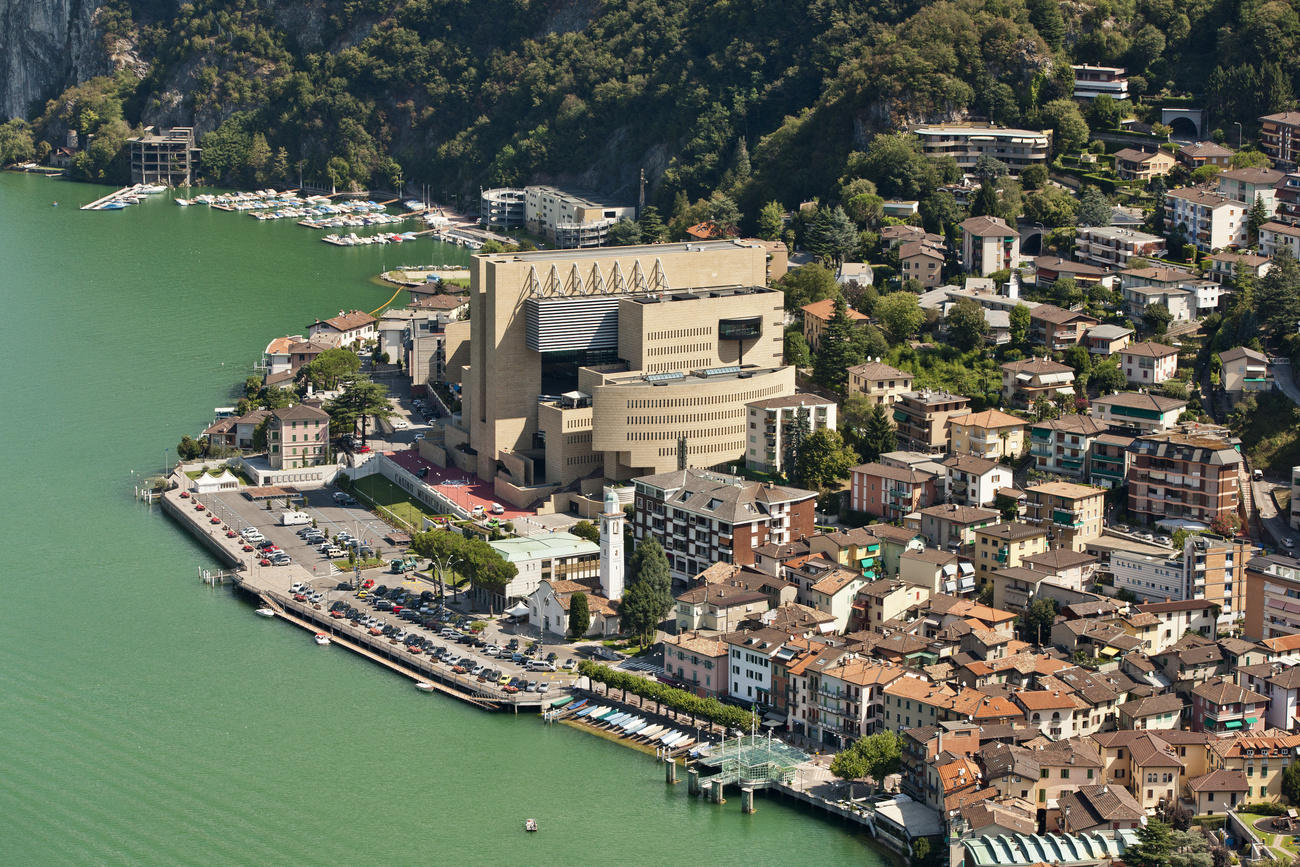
{"x": 125, "y": 197}
{"x": 352, "y": 239}
{"x": 252, "y": 201}
{"x": 627, "y": 724}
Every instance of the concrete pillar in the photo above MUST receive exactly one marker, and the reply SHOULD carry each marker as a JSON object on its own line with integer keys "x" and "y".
{"x": 717, "y": 792}
{"x": 747, "y": 800}
{"x": 692, "y": 781}
{"x": 670, "y": 771}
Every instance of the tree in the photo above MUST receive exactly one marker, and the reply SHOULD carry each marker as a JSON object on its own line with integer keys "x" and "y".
{"x": 1039, "y": 617}
{"x": 797, "y": 352}
{"x": 966, "y": 324}
{"x": 331, "y": 367}
{"x": 1019, "y": 318}
{"x": 806, "y": 284}
{"x": 1079, "y": 359}
{"x": 895, "y": 163}
{"x": 900, "y": 315}
{"x": 1094, "y": 209}
{"x": 879, "y": 436}
{"x": 875, "y": 756}
{"x": 1070, "y": 130}
{"x": 1256, "y": 217}
{"x": 1291, "y": 782}
{"x": 653, "y": 230}
{"x": 1103, "y": 113}
{"x": 988, "y": 168}
{"x": 869, "y": 342}
{"x": 579, "y": 615}
{"x": 1034, "y": 176}
{"x": 1107, "y": 377}
{"x": 586, "y": 530}
{"x": 832, "y": 235}
{"x": 648, "y": 597}
{"x": 624, "y": 233}
{"x": 771, "y": 221}
{"x": 1157, "y": 318}
{"x": 1277, "y": 297}
{"x": 1044, "y": 410}
{"x": 1050, "y": 206}
{"x": 359, "y": 401}
{"x": 1249, "y": 158}
{"x": 824, "y": 460}
{"x": 189, "y": 448}
{"x": 833, "y": 357}
{"x": 16, "y": 143}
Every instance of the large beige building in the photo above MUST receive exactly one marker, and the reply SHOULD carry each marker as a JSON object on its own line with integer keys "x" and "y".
{"x": 592, "y": 364}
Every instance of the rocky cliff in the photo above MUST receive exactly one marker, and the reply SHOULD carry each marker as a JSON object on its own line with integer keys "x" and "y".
{"x": 46, "y": 46}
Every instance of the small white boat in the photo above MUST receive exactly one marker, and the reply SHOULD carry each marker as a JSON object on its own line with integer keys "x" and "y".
{"x": 424, "y": 686}
{"x": 322, "y": 639}
{"x": 530, "y": 824}
{"x": 265, "y": 612}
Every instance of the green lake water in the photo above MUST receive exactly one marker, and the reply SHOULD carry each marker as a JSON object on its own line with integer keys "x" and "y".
{"x": 148, "y": 719}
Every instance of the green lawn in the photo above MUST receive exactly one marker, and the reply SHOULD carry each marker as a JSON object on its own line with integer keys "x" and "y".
{"x": 1281, "y": 841}
{"x": 364, "y": 564}
{"x": 393, "y": 502}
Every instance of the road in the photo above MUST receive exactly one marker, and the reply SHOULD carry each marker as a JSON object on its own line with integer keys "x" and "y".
{"x": 1276, "y": 525}
{"x": 1285, "y": 380}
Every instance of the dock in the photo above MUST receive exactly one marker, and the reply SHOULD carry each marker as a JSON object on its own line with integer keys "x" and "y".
{"x": 99, "y": 203}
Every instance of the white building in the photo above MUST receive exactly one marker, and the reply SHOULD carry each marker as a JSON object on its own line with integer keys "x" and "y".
{"x": 569, "y": 219}
{"x": 1209, "y": 220}
{"x": 1247, "y": 185}
{"x": 1091, "y": 82}
{"x": 773, "y": 419}
{"x": 612, "y": 520}
{"x": 1279, "y": 236}
{"x": 547, "y": 556}
{"x": 966, "y": 143}
{"x": 1112, "y": 247}
{"x": 749, "y": 664}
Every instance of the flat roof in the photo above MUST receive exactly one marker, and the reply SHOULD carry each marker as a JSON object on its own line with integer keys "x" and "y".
{"x": 556, "y": 544}
{"x": 616, "y": 252}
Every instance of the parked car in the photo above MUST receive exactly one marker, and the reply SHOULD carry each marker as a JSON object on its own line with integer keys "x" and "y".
{"x": 1288, "y": 542}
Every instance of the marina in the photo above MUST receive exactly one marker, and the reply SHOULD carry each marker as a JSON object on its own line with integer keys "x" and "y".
{"x": 123, "y": 198}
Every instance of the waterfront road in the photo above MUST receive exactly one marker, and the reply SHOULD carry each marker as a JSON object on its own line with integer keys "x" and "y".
{"x": 238, "y": 512}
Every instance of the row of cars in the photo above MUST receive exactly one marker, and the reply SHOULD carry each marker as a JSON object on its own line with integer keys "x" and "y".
{"x": 268, "y": 551}
{"x": 327, "y": 547}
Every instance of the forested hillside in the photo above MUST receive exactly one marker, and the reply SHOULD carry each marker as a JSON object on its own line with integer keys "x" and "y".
{"x": 758, "y": 99}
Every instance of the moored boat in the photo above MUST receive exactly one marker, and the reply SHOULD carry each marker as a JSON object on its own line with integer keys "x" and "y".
{"x": 424, "y": 686}
{"x": 322, "y": 639}
{"x": 530, "y": 824}
{"x": 264, "y": 612}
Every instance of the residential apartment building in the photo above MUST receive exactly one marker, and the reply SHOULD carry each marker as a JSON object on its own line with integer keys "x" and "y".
{"x": 1107, "y": 340}
{"x": 990, "y": 434}
{"x": 1188, "y": 477}
{"x": 347, "y": 329}
{"x": 1275, "y": 237}
{"x": 952, "y": 528}
{"x": 1132, "y": 164}
{"x": 1062, "y": 445}
{"x": 1251, "y": 184}
{"x": 922, "y": 419}
{"x": 890, "y": 492}
{"x": 975, "y": 481}
{"x": 1071, "y": 513}
{"x": 1208, "y": 220}
{"x": 989, "y": 245}
{"x": 1205, "y": 153}
{"x": 569, "y": 219}
{"x": 966, "y": 143}
{"x": 846, "y": 697}
{"x": 773, "y": 421}
{"x": 697, "y": 663}
{"x": 1136, "y": 412}
{"x": 1226, "y": 265}
{"x": 1148, "y": 362}
{"x": 1049, "y": 269}
{"x": 1279, "y": 136}
{"x": 1244, "y": 371}
{"x": 749, "y": 664}
{"x": 817, "y": 316}
{"x": 1288, "y": 198}
{"x": 921, "y": 261}
{"x": 1003, "y": 546}
{"x": 1220, "y": 705}
{"x": 1023, "y": 382}
{"x": 701, "y": 517}
{"x": 166, "y": 158}
{"x": 1261, "y": 757}
{"x": 1108, "y": 459}
{"x": 1280, "y": 682}
{"x": 1112, "y": 247}
{"x": 1272, "y": 597}
{"x": 1091, "y": 82}
{"x": 297, "y": 436}
{"x": 1057, "y": 328}
{"x": 879, "y": 383}
{"x": 718, "y": 608}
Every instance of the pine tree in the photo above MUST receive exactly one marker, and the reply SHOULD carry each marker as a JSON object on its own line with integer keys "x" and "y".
{"x": 831, "y": 361}
{"x": 653, "y": 230}
{"x": 741, "y": 167}
{"x": 579, "y": 615}
{"x": 771, "y": 221}
{"x": 1256, "y": 217}
{"x": 796, "y": 431}
{"x": 648, "y": 597}
{"x": 879, "y": 436}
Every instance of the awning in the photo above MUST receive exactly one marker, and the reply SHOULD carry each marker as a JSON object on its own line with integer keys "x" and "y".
{"x": 1250, "y": 720}
{"x": 1109, "y": 651}
{"x": 519, "y": 610}
{"x": 1232, "y": 724}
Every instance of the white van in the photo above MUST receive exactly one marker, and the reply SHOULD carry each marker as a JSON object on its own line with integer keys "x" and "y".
{"x": 291, "y": 519}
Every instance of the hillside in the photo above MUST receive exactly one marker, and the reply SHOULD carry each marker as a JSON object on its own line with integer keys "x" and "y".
{"x": 760, "y": 99}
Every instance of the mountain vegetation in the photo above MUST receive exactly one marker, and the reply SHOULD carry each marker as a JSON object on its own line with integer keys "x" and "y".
{"x": 728, "y": 106}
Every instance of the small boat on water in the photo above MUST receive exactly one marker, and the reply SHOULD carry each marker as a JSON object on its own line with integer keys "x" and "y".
{"x": 322, "y": 639}
{"x": 530, "y": 824}
{"x": 264, "y": 612}
{"x": 424, "y": 686}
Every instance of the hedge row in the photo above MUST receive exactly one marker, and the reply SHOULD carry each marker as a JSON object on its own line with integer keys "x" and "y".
{"x": 677, "y": 699}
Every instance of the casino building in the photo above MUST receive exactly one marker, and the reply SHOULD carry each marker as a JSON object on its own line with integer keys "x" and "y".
{"x": 613, "y": 363}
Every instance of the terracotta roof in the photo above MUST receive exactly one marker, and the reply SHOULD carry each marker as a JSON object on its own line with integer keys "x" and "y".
{"x": 1206, "y": 149}
{"x": 875, "y": 370}
{"x": 1011, "y": 530}
{"x": 1133, "y": 155}
{"x": 348, "y": 321}
{"x": 1223, "y": 692}
{"x": 897, "y": 474}
{"x": 1103, "y": 804}
{"x": 1084, "y": 425}
{"x": 971, "y": 464}
{"x": 1059, "y": 315}
{"x": 1149, "y": 349}
{"x": 1283, "y": 643}
{"x": 989, "y": 418}
{"x": 912, "y": 249}
{"x": 1141, "y": 400}
{"x": 1198, "y": 196}
{"x": 1065, "y": 490}
{"x": 825, "y": 309}
{"x": 892, "y": 533}
{"x": 1059, "y": 558}
{"x": 1152, "y": 705}
{"x": 1242, "y": 352}
{"x": 1253, "y": 175}
{"x": 1037, "y": 365}
{"x": 836, "y": 581}
{"x": 800, "y": 399}
{"x": 958, "y": 774}
{"x": 960, "y": 514}
{"x": 1042, "y": 699}
{"x": 711, "y": 646}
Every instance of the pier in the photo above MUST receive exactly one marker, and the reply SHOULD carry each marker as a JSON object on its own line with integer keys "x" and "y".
{"x": 99, "y": 203}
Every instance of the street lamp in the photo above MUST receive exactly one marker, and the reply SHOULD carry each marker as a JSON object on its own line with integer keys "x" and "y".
{"x": 1238, "y": 123}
